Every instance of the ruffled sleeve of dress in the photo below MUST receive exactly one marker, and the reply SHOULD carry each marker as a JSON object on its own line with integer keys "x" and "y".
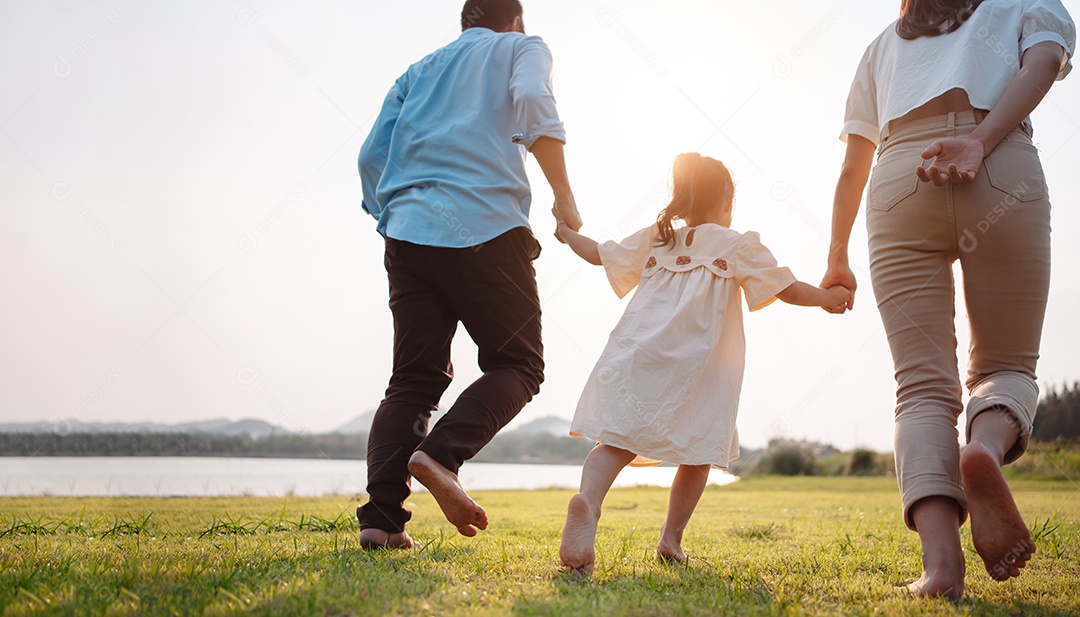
{"x": 1047, "y": 20}
{"x": 624, "y": 261}
{"x": 758, "y": 274}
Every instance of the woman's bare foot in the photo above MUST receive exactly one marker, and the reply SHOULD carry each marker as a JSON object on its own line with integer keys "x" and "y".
{"x": 997, "y": 530}
{"x": 670, "y": 548}
{"x": 938, "y": 522}
{"x": 578, "y": 549}
{"x": 455, "y": 503}
{"x": 377, "y": 539}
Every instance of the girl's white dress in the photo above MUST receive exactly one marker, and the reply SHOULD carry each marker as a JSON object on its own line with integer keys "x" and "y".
{"x": 667, "y": 385}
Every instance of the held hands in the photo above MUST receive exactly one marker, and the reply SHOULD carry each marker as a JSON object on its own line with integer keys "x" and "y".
{"x": 559, "y": 224}
{"x": 840, "y": 285}
{"x": 585, "y": 247}
{"x": 837, "y": 298}
{"x": 566, "y": 212}
{"x": 956, "y": 160}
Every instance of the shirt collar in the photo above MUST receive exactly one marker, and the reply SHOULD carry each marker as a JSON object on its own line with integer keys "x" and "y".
{"x": 476, "y": 30}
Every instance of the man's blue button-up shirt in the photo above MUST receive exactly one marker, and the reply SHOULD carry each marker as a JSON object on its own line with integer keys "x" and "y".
{"x": 444, "y": 164}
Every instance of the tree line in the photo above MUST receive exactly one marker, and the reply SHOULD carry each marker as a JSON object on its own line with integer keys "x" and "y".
{"x": 184, "y": 444}
{"x": 508, "y": 448}
{"x": 1058, "y": 419}
{"x": 1058, "y": 416}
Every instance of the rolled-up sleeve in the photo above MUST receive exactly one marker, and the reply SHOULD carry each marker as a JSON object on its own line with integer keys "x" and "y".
{"x": 758, "y": 274}
{"x": 533, "y": 95}
{"x": 861, "y": 117}
{"x": 375, "y": 152}
{"x": 1047, "y": 20}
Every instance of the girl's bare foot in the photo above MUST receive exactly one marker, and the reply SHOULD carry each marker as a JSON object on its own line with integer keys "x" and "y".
{"x": 456, "y": 506}
{"x": 941, "y": 583}
{"x": 578, "y": 549}
{"x": 670, "y": 548}
{"x": 998, "y": 531}
{"x": 672, "y": 555}
{"x": 377, "y": 539}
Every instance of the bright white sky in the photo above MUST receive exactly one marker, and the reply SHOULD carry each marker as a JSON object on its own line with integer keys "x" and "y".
{"x": 182, "y": 235}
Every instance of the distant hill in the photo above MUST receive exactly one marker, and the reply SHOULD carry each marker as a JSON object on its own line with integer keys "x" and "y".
{"x": 544, "y": 440}
{"x": 359, "y": 424}
{"x": 362, "y": 423}
{"x": 255, "y": 429}
{"x": 552, "y": 425}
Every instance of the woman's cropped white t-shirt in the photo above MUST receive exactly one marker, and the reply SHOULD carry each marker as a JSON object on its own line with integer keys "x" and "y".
{"x": 897, "y": 76}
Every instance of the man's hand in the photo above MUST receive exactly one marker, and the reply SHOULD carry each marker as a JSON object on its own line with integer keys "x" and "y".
{"x": 565, "y": 210}
{"x": 560, "y": 224}
{"x": 549, "y": 154}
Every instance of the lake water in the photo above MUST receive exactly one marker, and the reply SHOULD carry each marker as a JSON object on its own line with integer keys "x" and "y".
{"x": 198, "y": 477}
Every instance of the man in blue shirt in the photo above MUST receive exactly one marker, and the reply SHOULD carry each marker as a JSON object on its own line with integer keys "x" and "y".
{"x": 443, "y": 172}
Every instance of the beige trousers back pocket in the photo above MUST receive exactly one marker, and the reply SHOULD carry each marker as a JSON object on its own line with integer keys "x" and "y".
{"x": 893, "y": 181}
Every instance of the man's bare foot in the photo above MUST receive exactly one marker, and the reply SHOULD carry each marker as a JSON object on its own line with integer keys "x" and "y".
{"x": 456, "y": 506}
{"x": 577, "y": 552}
{"x": 997, "y": 530}
{"x": 377, "y": 539}
{"x": 670, "y": 548}
{"x": 941, "y": 583}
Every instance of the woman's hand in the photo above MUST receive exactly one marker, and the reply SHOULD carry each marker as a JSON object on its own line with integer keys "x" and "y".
{"x": 840, "y": 274}
{"x": 956, "y": 161}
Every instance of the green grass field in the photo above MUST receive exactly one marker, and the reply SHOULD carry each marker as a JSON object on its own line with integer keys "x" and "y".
{"x": 764, "y": 546}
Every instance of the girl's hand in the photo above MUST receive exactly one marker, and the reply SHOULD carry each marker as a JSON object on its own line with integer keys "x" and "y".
{"x": 565, "y": 211}
{"x": 841, "y": 275}
{"x": 836, "y": 299}
{"x": 558, "y": 225}
{"x": 584, "y": 246}
{"x": 955, "y": 160}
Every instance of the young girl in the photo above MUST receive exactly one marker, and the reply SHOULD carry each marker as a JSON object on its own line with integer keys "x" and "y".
{"x": 666, "y": 387}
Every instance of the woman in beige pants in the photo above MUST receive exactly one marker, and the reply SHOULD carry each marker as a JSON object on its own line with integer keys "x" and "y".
{"x": 942, "y": 96}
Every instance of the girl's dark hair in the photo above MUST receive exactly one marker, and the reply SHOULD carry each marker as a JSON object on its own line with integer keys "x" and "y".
{"x": 492, "y": 14}
{"x": 699, "y": 185}
{"x": 920, "y": 18}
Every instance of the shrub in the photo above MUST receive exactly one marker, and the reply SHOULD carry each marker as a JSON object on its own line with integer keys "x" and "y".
{"x": 789, "y": 459}
{"x": 862, "y": 462}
